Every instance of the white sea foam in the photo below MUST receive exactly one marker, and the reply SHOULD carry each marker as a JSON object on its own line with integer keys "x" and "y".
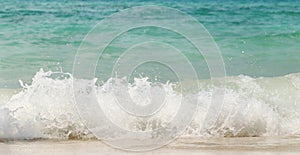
{"x": 252, "y": 107}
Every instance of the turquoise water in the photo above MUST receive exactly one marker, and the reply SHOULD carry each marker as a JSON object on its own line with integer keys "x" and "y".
{"x": 256, "y": 38}
{"x": 259, "y": 39}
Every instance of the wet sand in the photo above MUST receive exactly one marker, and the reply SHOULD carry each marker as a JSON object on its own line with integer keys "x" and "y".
{"x": 220, "y": 146}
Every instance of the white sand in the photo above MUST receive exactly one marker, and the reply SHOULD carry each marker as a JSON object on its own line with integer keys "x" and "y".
{"x": 232, "y": 146}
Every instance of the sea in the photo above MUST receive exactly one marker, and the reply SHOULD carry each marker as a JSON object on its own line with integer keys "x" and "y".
{"x": 258, "y": 42}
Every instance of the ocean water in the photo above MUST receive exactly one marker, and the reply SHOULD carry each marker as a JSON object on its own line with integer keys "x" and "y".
{"x": 258, "y": 40}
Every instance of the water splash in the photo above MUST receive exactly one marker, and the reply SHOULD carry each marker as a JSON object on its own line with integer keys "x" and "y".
{"x": 252, "y": 107}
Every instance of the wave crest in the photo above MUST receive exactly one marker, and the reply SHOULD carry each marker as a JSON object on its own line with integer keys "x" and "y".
{"x": 252, "y": 107}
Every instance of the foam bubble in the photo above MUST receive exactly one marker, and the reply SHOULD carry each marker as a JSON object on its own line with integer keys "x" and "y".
{"x": 252, "y": 107}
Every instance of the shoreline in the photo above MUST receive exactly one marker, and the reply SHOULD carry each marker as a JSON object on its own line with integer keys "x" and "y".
{"x": 241, "y": 145}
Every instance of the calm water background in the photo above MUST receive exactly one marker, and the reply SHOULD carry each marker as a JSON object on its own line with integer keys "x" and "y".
{"x": 256, "y": 38}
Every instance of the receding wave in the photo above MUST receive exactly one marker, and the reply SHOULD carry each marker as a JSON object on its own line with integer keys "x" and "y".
{"x": 252, "y": 107}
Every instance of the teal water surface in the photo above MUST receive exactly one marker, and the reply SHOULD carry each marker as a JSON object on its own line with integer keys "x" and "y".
{"x": 256, "y": 38}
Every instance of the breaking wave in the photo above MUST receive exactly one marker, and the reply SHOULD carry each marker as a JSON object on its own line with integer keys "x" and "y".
{"x": 45, "y": 109}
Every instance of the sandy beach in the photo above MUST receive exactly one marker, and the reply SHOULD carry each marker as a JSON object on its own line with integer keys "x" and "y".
{"x": 224, "y": 146}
